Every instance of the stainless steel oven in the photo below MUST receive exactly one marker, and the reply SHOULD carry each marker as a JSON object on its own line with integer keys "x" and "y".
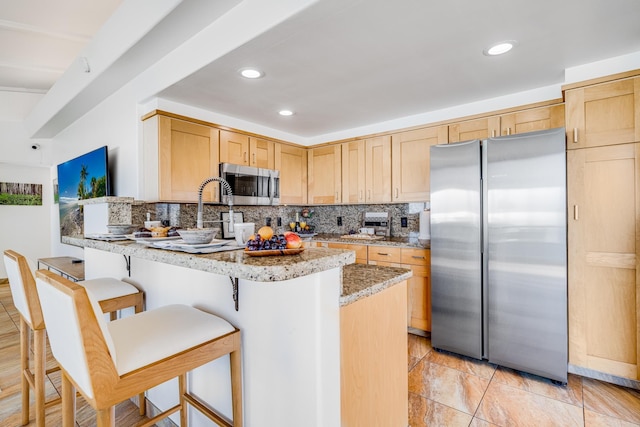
{"x": 250, "y": 185}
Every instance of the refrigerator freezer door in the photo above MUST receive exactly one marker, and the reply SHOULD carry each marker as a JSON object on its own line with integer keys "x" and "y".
{"x": 527, "y": 261}
{"x": 456, "y": 250}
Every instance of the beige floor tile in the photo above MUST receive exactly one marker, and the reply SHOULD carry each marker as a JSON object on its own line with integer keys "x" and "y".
{"x": 508, "y": 406}
{"x": 447, "y": 386}
{"x": 412, "y": 361}
{"x": 465, "y": 364}
{"x": 571, "y": 393}
{"x": 477, "y": 422}
{"x": 611, "y": 400}
{"x": 592, "y": 419}
{"x": 418, "y": 346}
{"x": 427, "y": 413}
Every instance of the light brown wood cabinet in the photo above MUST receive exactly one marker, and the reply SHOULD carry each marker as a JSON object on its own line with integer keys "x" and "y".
{"x": 603, "y": 252}
{"x": 353, "y": 172}
{"x": 179, "y": 155}
{"x": 373, "y": 360}
{"x": 533, "y": 119}
{"x": 378, "y": 169}
{"x": 410, "y": 152}
{"x": 262, "y": 153}
{"x": 418, "y": 286}
{"x": 325, "y": 175}
{"x": 603, "y": 114}
{"x": 292, "y": 163}
{"x": 241, "y": 149}
{"x": 474, "y": 129}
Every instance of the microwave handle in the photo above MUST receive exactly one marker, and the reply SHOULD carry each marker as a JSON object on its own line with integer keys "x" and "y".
{"x": 272, "y": 188}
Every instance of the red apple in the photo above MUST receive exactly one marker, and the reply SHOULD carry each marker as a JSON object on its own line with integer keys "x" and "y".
{"x": 293, "y": 240}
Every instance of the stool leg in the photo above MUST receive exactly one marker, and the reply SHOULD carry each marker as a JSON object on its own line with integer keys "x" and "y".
{"x": 68, "y": 402}
{"x": 235, "y": 359}
{"x": 24, "y": 367}
{"x": 182, "y": 389}
{"x": 139, "y": 307}
{"x": 39, "y": 351}
{"x": 106, "y": 417}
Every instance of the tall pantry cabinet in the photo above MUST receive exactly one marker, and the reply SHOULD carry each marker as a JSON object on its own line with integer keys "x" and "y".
{"x": 603, "y": 197}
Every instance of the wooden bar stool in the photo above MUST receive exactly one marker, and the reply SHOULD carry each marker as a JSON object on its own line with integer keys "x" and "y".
{"x": 113, "y": 295}
{"x": 109, "y": 362}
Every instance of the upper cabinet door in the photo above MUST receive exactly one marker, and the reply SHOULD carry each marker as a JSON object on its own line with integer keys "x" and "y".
{"x": 353, "y": 172}
{"x": 532, "y": 120}
{"x": 378, "y": 169}
{"x": 603, "y": 114}
{"x": 187, "y": 154}
{"x": 325, "y": 170}
{"x": 292, "y": 163}
{"x": 411, "y": 157}
{"x": 262, "y": 153}
{"x": 475, "y": 129}
{"x": 234, "y": 148}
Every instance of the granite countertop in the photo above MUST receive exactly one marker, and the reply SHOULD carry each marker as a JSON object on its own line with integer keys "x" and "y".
{"x": 362, "y": 280}
{"x": 408, "y": 242}
{"x": 233, "y": 263}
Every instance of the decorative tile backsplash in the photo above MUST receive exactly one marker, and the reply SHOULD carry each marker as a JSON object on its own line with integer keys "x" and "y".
{"x": 324, "y": 218}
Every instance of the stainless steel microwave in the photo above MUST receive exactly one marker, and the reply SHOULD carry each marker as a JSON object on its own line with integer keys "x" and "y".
{"x": 250, "y": 185}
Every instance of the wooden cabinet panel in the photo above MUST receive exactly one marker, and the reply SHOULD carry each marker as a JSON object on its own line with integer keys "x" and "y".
{"x": 603, "y": 243}
{"x": 234, "y": 148}
{"x": 361, "y": 250}
{"x": 262, "y": 153}
{"x": 353, "y": 172}
{"x": 532, "y": 120}
{"x": 474, "y": 129}
{"x": 292, "y": 163}
{"x": 187, "y": 155}
{"x": 418, "y": 287}
{"x": 373, "y": 360}
{"x": 378, "y": 169}
{"x": 603, "y": 114}
{"x": 325, "y": 175}
{"x": 410, "y": 162}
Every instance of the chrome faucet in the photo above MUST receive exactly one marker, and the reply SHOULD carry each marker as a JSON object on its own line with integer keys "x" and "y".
{"x": 225, "y": 184}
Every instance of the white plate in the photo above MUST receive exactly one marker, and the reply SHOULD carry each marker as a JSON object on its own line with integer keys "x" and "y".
{"x": 151, "y": 239}
{"x": 182, "y": 244}
{"x": 105, "y": 236}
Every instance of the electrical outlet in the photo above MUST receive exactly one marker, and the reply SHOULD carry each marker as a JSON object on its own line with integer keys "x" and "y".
{"x": 268, "y": 221}
{"x": 403, "y": 222}
{"x": 279, "y": 222}
{"x": 339, "y": 221}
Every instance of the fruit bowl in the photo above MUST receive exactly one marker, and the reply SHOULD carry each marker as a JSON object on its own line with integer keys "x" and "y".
{"x": 197, "y": 236}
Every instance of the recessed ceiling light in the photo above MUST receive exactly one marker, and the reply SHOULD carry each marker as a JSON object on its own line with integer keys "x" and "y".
{"x": 251, "y": 73}
{"x": 285, "y": 112}
{"x": 499, "y": 48}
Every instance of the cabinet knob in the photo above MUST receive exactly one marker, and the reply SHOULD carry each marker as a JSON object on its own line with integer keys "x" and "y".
{"x": 575, "y": 135}
{"x": 397, "y": 192}
{"x": 575, "y": 212}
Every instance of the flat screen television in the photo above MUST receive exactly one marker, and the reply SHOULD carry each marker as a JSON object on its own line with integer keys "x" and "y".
{"x": 85, "y": 177}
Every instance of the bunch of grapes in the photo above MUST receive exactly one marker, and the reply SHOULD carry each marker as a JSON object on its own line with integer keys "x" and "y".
{"x": 259, "y": 244}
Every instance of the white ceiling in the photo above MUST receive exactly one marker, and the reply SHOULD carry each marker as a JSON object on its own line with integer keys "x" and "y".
{"x": 344, "y": 64}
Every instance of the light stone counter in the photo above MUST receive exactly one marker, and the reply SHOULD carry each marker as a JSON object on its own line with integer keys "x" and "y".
{"x": 362, "y": 280}
{"x": 402, "y": 242}
{"x": 234, "y": 263}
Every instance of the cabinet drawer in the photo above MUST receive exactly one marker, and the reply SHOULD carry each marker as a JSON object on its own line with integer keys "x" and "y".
{"x": 384, "y": 253}
{"x": 416, "y": 256}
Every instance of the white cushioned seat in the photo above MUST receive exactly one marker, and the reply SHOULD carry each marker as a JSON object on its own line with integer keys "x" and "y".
{"x": 105, "y": 288}
{"x": 153, "y": 335}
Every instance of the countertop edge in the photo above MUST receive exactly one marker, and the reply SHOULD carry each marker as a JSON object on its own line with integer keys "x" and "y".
{"x": 378, "y": 278}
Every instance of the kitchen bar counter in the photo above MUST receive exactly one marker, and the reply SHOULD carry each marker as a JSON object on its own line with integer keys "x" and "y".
{"x": 362, "y": 280}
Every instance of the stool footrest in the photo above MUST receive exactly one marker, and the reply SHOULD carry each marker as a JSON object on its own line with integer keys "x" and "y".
{"x": 206, "y": 411}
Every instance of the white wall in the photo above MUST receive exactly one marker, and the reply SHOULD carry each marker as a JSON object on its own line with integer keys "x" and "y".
{"x": 27, "y": 229}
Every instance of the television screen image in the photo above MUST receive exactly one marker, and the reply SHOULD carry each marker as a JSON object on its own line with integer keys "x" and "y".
{"x": 85, "y": 177}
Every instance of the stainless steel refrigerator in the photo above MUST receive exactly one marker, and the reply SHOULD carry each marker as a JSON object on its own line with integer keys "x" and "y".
{"x": 499, "y": 251}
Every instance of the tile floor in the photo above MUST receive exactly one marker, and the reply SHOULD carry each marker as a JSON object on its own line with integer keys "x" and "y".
{"x": 444, "y": 390}
{"x": 451, "y": 390}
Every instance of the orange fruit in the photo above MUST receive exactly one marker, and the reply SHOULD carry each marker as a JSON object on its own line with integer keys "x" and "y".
{"x": 265, "y": 232}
